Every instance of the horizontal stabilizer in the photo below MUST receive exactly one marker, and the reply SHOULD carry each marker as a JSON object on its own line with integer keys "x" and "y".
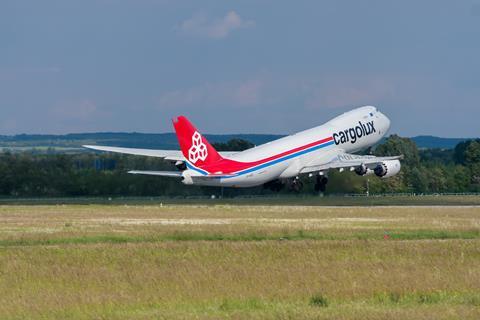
{"x": 174, "y": 174}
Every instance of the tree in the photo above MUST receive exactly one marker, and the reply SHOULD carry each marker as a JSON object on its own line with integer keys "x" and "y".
{"x": 233, "y": 145}
{"x": 472, "y": 160}
{"x": 460, "y": 149}
{"x": 407, "y": 179}
{"x": 437, "y": 182}
{"x": 419, "y": 179}
{"x": 436, "y": 155}
{"x": 458, "y": 178}
{"x": 395, "y": 145}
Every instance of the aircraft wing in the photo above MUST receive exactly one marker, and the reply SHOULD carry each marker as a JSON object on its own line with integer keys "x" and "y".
{"x": 174, "y": 174}
{"x": 346, "y": 160}
{"x": 173, "y": 155}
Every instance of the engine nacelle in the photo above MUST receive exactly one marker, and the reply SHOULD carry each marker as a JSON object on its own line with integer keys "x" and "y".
{"x": 181, "y": 165}
{"x": 363, "y": 170}
{"x": 387, "y": 168}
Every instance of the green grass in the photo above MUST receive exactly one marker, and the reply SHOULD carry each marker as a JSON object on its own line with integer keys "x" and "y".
{"x": 319, "y": 301}
{"x": 426, "y": 298}
{"x": 285, "y": 200}
{"x": 198, "y": 236}
{"x": 247, "y": 262}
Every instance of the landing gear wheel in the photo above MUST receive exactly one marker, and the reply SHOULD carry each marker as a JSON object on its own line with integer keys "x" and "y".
{"x": 321, "y": 184}
{"x": 297, "y": 185}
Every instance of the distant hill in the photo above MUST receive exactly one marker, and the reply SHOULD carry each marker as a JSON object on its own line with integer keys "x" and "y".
{"x": 436, "y": 142}
{"x": 73, "y": 142}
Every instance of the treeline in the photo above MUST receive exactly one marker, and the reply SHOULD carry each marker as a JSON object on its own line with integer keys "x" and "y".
{"x": 85, "y": 174}
{"x": 432, "y": 170}
{"x": 89, "y": 174}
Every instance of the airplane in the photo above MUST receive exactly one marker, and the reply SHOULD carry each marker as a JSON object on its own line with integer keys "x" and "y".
{"x": 280, "y": 162}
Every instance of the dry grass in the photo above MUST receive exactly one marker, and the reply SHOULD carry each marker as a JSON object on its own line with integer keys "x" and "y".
{"x": 117, "y": 262}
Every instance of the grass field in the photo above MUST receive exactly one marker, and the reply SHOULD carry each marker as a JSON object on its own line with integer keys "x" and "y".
{"x": 239, "y": 262}
{"x": 281, "y": 199}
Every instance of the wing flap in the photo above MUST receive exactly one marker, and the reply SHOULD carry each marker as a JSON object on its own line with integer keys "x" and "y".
{"x": 346, "y": 160}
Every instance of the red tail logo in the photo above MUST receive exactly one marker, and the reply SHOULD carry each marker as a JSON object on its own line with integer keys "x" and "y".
{"x": 198, "y": 150}
{"x": 195, "y": 148}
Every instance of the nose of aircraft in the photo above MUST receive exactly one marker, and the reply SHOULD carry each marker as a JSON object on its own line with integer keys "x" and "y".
{"x": 385, "y": 124}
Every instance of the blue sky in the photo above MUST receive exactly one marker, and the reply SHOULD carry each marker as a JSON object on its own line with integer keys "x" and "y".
{"x": 245, "y": 66}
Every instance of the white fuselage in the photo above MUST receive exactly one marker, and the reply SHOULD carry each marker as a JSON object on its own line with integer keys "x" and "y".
{"x": 284, "y": 158}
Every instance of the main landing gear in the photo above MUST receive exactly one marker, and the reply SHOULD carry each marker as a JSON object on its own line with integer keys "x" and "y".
{"x": 277, "y": 185}
{"x": 321, "y": 183}
{"x": 296, "y": 185}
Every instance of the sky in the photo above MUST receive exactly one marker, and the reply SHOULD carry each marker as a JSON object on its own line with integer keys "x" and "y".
{"x": 247, "y": 66}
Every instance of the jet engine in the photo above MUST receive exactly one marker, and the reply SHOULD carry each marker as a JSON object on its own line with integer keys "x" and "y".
{"x": 387, "y": 168}
{"x": 363, "y": 170}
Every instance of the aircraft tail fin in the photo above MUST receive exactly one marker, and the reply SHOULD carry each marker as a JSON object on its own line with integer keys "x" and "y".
{"x": 195, "y": 147}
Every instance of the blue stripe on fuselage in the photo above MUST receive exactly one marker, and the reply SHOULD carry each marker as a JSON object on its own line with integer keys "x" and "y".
{"x": 264, "y": 165}
{"x": 190, "y": 166}
{"x": 290, "y": 156}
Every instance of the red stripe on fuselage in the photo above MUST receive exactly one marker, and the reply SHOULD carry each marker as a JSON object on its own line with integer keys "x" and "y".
{"x": 227, "y": 166}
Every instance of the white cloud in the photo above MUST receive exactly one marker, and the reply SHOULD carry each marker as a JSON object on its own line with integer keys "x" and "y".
{"x": 304, "y": 93}
{"x": 74, "y": 110}
{"x": 347, "y": 91}
{"x": 239, "y": 94}
{"x": 201, "y": 25}
{"x": 248, "y": 93}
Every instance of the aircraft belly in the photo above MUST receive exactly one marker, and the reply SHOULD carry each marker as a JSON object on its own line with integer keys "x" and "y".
{"x": 251, "y": 179}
